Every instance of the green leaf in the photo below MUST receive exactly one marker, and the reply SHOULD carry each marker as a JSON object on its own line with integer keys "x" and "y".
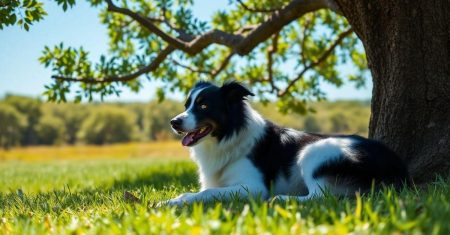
{"x": 13, "y": 19}
{"x": 160, "y": 94}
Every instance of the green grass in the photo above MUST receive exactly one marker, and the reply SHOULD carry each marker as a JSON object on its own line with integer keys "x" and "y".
{"x": 86, "y": 197}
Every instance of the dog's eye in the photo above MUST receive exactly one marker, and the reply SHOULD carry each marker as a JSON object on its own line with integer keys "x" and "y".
{"x": 203, "y": 106}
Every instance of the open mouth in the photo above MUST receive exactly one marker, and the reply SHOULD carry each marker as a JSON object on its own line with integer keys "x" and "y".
{"x": 194, "y": 136}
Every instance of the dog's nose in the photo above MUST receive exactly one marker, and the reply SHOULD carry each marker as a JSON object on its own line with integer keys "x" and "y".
{"x": 176, "y": 123}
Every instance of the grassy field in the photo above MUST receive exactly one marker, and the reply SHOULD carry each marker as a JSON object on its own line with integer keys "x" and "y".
{"x": 160, "y": 150}
{"x": 84, "y": 194}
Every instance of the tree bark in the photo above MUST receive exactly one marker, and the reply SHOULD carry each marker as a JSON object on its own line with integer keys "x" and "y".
{"x": 407, "y": 45}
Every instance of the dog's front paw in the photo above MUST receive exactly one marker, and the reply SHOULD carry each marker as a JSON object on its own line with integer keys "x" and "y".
{"x": 176, "y": 202}
{"x": 182, "y": 199}
{"x": 171, "y": 202}
{"x": 280, "y": 198}
{"x": 184, "y": 196}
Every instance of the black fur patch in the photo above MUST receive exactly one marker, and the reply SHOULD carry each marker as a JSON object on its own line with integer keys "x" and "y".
{"x": 276, "y": 152}
{"x": 370, "y": 161}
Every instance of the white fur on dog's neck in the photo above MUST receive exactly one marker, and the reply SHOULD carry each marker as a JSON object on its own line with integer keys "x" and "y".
{"x": 213, "y": 157}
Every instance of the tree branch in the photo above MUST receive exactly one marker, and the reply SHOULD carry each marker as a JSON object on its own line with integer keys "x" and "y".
{"x": 303, "y": 42}
{"x": 246, "y": 28}
{"x": 223, "y": 65}
{"x": 194, "y": 70}
{"x": 257, "y": 10}
{"x": 333, "y": 5}
{"x": 322, "y": 58}
{"x": 270, "y": 51}
{"x": 239, "y": 43}
{"x": 151, "y": 67}
{"x": 212, "y": 73}
{"x": 182, "y": 33}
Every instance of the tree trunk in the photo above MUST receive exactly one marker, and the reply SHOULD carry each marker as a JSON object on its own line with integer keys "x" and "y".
{"x": 408, "y": 51}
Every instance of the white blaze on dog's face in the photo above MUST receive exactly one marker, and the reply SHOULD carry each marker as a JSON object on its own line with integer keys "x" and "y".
{"x": 189, "y": 122}
{"x": 211, "y": 110}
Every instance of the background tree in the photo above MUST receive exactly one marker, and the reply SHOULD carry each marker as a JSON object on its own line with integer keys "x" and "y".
{"x": 62, "y": 123}
{"x": 50, "y": 130}
{"x": 72, "y": 116}
{"x": 11, "y": 125}
{"x": 338, "y": 123}
{"x": 310, "y": 124}
{"x": 107, "y": 125}
{"x": 285, "y": 50}
{"x": 141, "y": 120}
{"x": 31, "y": 109}
{"x": 157, "y": 116}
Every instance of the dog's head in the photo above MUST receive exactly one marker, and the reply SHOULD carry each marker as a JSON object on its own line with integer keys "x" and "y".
{"x": 212, "y": 111}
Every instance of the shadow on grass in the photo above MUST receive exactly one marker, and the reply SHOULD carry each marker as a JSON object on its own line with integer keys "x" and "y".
{"x": 155, "y": 182}
{"x": 163, "y": 177}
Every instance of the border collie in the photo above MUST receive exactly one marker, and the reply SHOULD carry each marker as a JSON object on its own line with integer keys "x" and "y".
{"x": 239, "y": 153}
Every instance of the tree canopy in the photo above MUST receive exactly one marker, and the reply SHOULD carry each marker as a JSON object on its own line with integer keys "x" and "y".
{"x": 21, "y": 12}
{"x": 282, "y": 49}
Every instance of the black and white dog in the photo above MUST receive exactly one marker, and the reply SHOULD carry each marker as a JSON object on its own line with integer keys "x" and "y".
{"x": 240, "y": 153}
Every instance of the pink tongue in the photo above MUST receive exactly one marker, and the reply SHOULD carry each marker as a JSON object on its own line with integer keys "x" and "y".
{"x": 188, "y": 139}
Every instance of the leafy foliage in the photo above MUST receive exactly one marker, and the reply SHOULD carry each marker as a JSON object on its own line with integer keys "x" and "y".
{"x": 289, "y": 67}
{"x": 21, "y": 12}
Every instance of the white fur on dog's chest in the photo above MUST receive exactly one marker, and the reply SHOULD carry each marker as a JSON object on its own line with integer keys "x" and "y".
{"x": 240, "y": 172}
{"x": 226, "y": 163}
{"x": 216, "y": 172}
{"x": 221, "y": 169}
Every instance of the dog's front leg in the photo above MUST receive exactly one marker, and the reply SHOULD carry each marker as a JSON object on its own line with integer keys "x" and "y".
{"x": 225, "y": 193}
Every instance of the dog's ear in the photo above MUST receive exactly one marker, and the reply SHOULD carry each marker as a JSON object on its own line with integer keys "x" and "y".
{"x": 235, "y": 91}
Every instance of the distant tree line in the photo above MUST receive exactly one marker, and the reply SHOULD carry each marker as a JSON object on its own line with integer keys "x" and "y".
{"x": 26, "y": 121}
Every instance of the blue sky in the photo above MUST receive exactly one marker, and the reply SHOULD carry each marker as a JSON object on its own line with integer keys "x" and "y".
{"x": 21, "y": 73}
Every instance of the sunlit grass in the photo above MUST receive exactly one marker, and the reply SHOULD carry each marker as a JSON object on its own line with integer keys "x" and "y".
{"x": 166, "y": 149}
{"x": 87, "y": 197}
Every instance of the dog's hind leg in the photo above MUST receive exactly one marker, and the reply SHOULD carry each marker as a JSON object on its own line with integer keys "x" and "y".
{"x": 315, "y": 190}
{"x": 310, "y": 159}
